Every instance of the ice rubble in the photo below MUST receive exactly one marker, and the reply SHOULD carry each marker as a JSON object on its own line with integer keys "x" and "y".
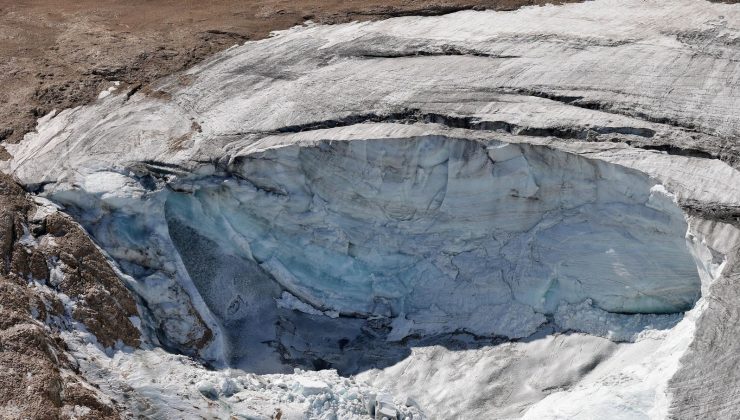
{"x": 157, "y": 384}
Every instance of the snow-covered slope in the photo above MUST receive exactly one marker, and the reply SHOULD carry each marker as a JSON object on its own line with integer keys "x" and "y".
{"x": 524, "y": 203}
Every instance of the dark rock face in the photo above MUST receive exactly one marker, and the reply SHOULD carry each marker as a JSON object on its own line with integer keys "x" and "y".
{"x": 45, "y": 257}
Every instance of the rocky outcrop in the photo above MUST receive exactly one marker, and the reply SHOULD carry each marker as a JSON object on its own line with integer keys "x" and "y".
{"x": 53, "y": 276}
{"x": 46, "y": 246}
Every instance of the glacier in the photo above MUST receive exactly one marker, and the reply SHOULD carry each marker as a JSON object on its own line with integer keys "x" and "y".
{"x": 428, "y": 235}
{"x": 379, "y": 228}
{"x": 480, "y": 195}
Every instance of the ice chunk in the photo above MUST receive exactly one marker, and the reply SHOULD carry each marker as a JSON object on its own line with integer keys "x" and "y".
{"x": 307, "y": 386}
{"x": 584, "y": 317}
{"x": 207, "y": 389}
{"x": 384, "y": 408}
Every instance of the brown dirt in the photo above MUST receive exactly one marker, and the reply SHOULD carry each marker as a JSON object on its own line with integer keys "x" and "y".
{"x": 60, "y": 54}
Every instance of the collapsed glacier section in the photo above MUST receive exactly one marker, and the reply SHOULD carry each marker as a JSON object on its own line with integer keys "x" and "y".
{"x": 443, "y": 234}
{"x": 410, "y": 237}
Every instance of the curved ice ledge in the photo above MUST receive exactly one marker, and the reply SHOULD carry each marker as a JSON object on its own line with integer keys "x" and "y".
{"x": 425, "y": 235}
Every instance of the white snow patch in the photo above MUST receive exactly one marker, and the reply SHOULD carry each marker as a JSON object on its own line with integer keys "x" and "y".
{"x": 105, "y": 93}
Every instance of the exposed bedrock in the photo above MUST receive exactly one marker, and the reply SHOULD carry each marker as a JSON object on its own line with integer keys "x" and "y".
{"x": 394, "y": 239}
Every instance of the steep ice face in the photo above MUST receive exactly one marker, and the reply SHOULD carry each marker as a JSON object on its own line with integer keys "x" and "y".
{"x": 436, "y": 234}
{"x": 422, "y": 235}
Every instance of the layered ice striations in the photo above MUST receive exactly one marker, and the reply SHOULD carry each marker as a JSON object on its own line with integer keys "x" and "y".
{"x": 437, "y": 234}
{"x": 433, "y": 234}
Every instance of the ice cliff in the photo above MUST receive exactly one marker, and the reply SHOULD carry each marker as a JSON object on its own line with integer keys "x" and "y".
{"x": 548, "y": 180}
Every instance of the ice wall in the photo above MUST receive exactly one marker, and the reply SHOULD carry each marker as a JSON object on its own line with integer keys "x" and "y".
{"x": 440, "y": 234}
{"x": 429, "y": 234}
{"x": 433, "y": 234}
